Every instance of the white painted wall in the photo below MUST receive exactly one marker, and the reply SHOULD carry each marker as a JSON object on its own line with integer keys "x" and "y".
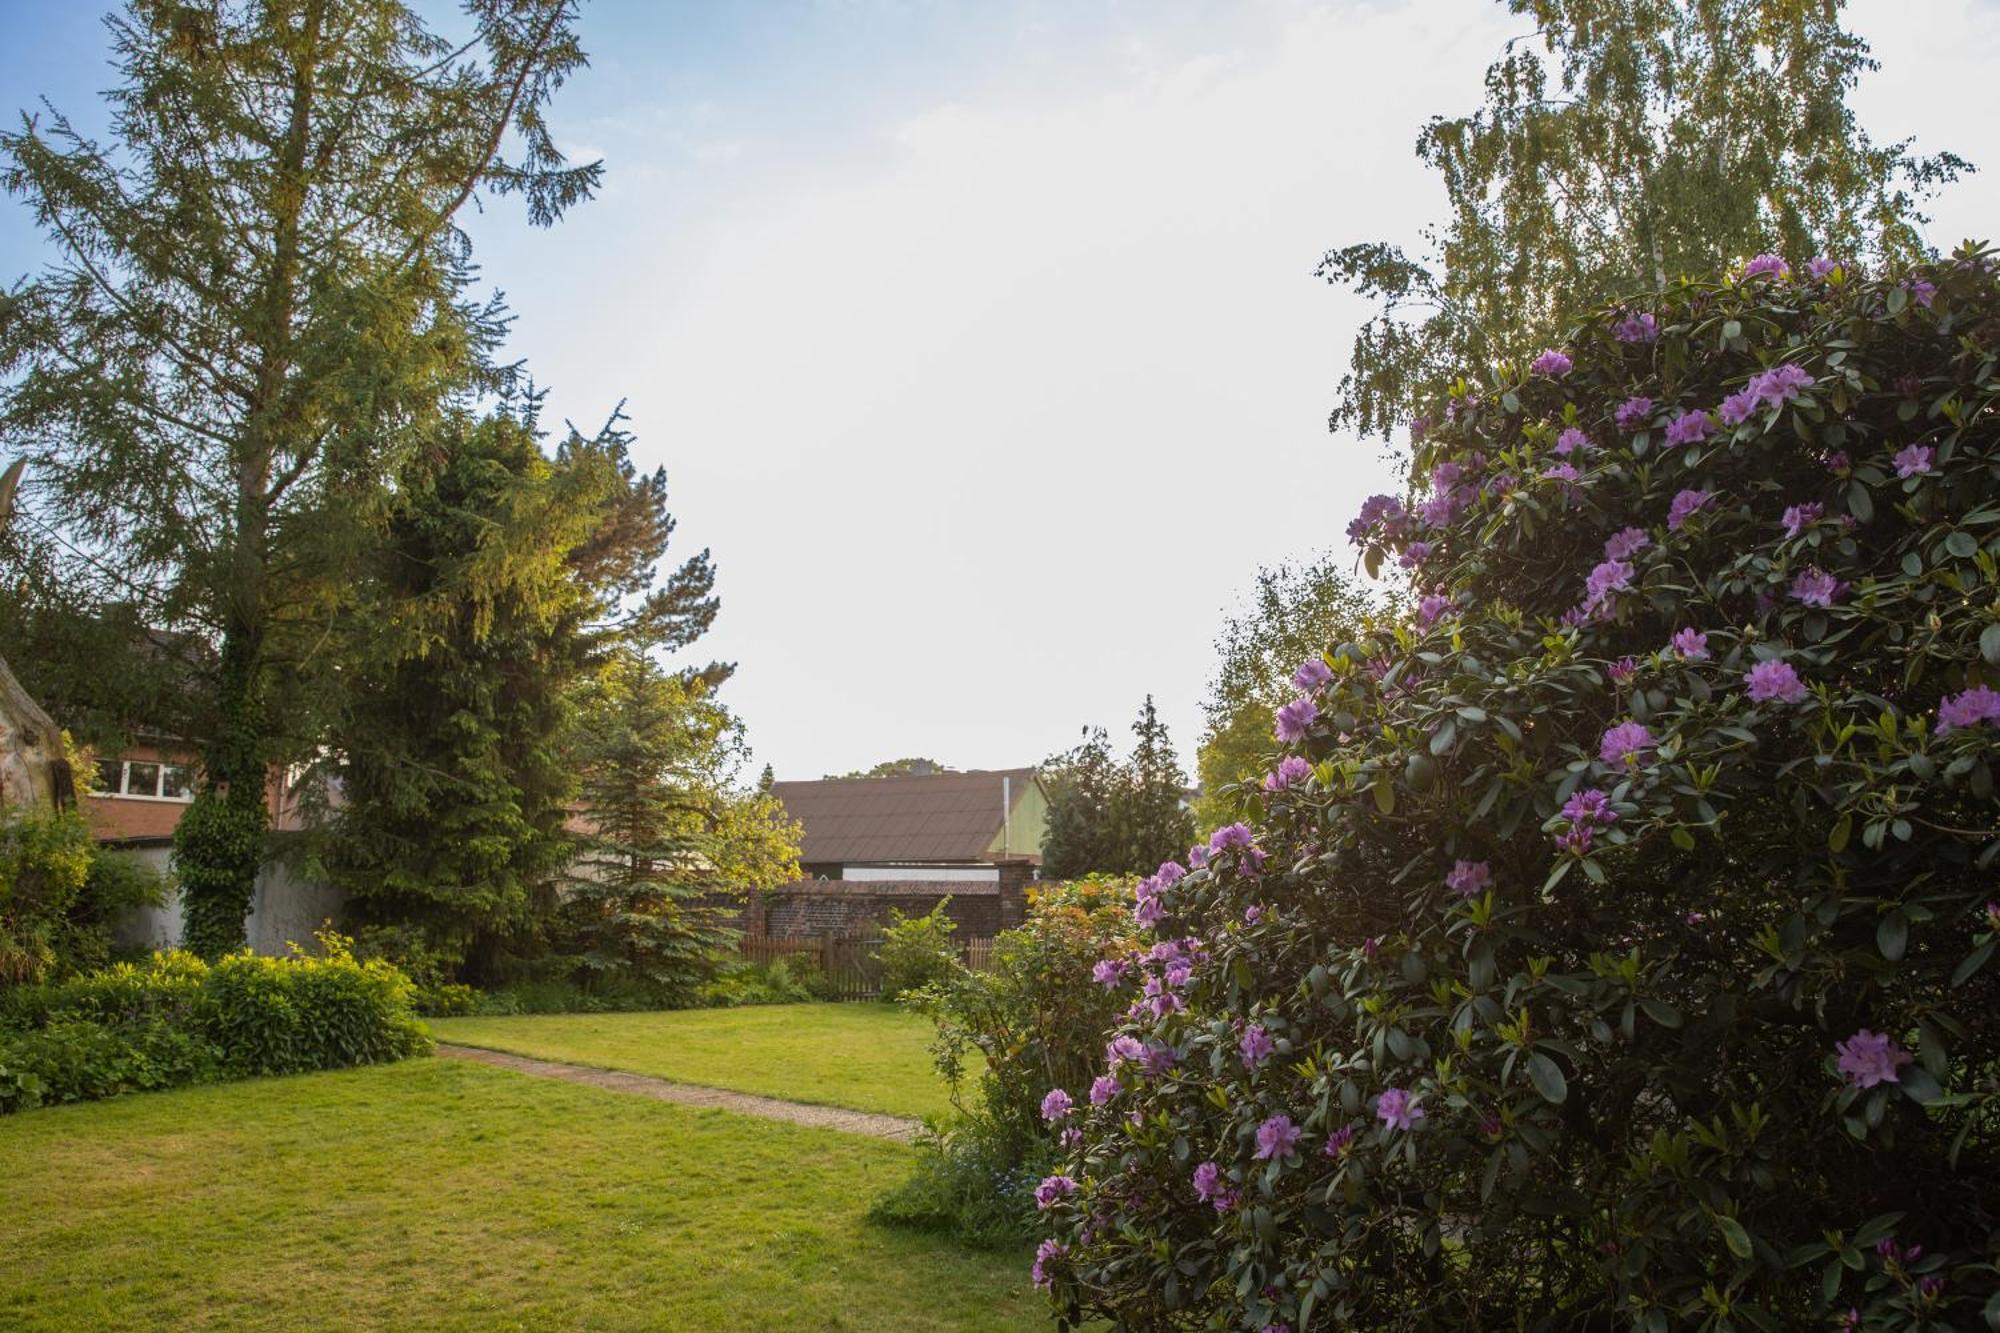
{"x": 284, "y": 909}
{"x": 901, "y": 874}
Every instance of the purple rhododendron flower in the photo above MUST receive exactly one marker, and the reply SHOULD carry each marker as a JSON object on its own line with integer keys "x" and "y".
{"x": 1612, "y": 576}
{"x": 1414, "y": 554}
{"x": 1636, "y": 327}
{"x": 1868, "y": 1058}
{"x": 1276, "y": 1137}
{"x": 1207, "y": 1181}
{"x": 1430, "y": 608}
{"x": 1561, "y": 472}
{"x": 1690, "y": 645}
{"x": 1339, "y": 1141}
{"x": 1800, "y": 517}
{"x": 1781, "y": 384}
{"x": 1766, "y": 264}
{"x": 1045, "y": 1256}
{"x": 1159, "y": 1059}
{"x": 1053, "y": 1188}
{"x": 1376, "y": 510}
{"x": 1291, "y": 771}
{"x": 1816, "y": 587}
{"x": 1632, "y": 413}
{"x": 1739, "y": 407}
{"x": 1820, "y": 267}
{"x": 1256, "y": 1046}
{"x": 1056, "y": 1105}
{"x": 1551, "y": 363}
{"x": 1122, "y": 1050}
{"x": 1169, "y": 874}
{"x": 1623, "y": 670}
{"x": 1397, "y": 1109}
{"x": 1371, "y": 948}
{"x": 1589, "y": 806}
{"x": 1230, "y": 835}
{"x": 1103, "y": 1088}
{"x": 1689, "y": 428}
{"x": 1774, "y": 680}
{"x": 1468, "y": 877}
{"x": 1922, "y": 292}
{"x": 1573, "y": 439}
{"x": 1969, "y": 709}
{"x": 1914, "y": 460}
{"x": 1252, "y": 914}
{"x": 1624, "y": 741}
{"x": 1685, "y": 506}
{"x": 1109, "y": 972}
{"x": 1296, "y": 718}
{"x": 1626, "y": 543}
{"x": 1312, "y": 674}
{"x": 1150, "y": 912}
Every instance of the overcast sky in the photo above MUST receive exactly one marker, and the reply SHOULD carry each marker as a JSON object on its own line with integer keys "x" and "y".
{"x": 981, "y": 341}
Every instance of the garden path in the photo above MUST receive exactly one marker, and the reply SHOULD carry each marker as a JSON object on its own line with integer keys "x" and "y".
{"x": 687, "y": 1094}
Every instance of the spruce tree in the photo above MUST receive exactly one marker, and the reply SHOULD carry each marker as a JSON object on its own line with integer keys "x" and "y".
{"x": 258, "y": 306}
{"x": 1623, "y": 145}
{"x": 1150, "y": 809}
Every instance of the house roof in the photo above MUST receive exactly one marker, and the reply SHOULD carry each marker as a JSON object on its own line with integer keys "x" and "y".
{"x": 934, "y": 817}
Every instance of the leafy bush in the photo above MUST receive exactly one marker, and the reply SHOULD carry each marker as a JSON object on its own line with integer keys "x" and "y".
{"x": 794, "y": 980}
{"x": 916, "y": 951}
{"x": 434, "y": 993}
{"x": 1038, "y": 1018}
{"x": 1611, "y": 944}
{"x": 45, "y": 859}
{"x": 177, "y": 1020}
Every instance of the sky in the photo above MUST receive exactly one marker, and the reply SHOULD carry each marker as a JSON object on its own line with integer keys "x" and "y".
{"x": 980, "y": 341}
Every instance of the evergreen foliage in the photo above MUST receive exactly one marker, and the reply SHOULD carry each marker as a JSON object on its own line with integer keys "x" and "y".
{"x": 1625, "y": 144}
{"x": 1079, "y": 837}
{"x": 1149, "y": 810}
{"x": 670, "y": 845}
{"x": 258, "y": 310}
{"x": 1108, "y": 818}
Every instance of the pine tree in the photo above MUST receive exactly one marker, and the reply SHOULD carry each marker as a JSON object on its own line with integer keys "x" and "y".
{"x": 1081, "y": 836}
{"x": 1150, "y": 809}
{"x": 1625, "y": 144}
{"x": 257, "y": 310}
{"x": 671, "y": 847}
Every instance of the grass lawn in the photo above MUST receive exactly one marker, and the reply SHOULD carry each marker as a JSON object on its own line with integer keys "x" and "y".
{"x": 866, "y": 1057}
{"x": 437, "y": 1194}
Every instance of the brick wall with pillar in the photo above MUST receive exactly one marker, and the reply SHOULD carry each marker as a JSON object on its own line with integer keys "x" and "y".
{"x": 1015, "y": 876}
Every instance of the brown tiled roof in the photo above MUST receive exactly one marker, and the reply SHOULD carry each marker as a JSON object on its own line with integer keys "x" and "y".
{"x": 936, "y": 817}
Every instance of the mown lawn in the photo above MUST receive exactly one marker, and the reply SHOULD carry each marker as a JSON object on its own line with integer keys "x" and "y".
{"x": 864, "y": 1056}
{"x": 437, "y": 1194}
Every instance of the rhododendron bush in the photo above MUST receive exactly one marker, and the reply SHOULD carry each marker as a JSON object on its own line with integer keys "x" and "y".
{"x": 1612, "y": 942}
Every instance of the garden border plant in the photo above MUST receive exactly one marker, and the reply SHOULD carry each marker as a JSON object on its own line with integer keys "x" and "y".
{"x": 1610, "y": 944}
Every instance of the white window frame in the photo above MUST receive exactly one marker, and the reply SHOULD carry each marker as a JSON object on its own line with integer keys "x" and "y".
{"x": 159, "y": 782}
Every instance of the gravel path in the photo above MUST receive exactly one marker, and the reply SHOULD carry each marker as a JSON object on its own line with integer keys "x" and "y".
{"x": 688, "y": 1094}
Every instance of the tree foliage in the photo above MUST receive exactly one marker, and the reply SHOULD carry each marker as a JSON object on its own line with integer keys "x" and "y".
{"x": 257, "y": 310}
{"x": 1294, "y": 609}
{"x": 1112, "y": 818}
{"x": 1625, "y": 144}
{"x": 670, "y": 845}
{"x": 1616, "y": 946}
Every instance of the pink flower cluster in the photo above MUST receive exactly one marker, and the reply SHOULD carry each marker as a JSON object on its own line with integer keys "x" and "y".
{"x": 1869, "y": 1058}
{"x": 1468, "y": 878}
{"x": 1585, "y": 812}
{"x": 1968, "y": 709}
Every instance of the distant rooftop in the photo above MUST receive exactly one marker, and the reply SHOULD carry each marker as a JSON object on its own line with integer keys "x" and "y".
{"x": 935, "y": 817}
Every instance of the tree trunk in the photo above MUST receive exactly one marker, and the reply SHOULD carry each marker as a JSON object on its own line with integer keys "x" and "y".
{"x": 34, "y": 773}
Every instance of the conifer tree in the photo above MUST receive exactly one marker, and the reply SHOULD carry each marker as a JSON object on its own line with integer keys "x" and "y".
{"x": 1150, "y": 811}
{"x": 258, "y": 306}
{"x": 671, "y": 845}
{"x": 1623, "y": 145}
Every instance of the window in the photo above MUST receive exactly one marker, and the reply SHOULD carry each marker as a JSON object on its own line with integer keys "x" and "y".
{"x": 145, "y": 779}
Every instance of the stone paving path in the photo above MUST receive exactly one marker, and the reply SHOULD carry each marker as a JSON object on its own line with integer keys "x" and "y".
{"x": 689, "y": 1094}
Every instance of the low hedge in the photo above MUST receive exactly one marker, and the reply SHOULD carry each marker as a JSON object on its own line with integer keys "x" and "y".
{"x": 175, "y": 1020}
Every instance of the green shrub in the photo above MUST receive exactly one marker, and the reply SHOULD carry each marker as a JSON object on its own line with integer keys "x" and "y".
{"x": 45, "y": 860}
{"x": 1037, "y": 1016}
{"x": 795, "y": 980}
{"x": 1611, "y": 943}
{"x": 175, "y": 1020}
{"x": 430, "y": 969}
{"x": 916, "y": 951}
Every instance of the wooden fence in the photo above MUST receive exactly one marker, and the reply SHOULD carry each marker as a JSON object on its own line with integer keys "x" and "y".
{"x": 846, "y": 961}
